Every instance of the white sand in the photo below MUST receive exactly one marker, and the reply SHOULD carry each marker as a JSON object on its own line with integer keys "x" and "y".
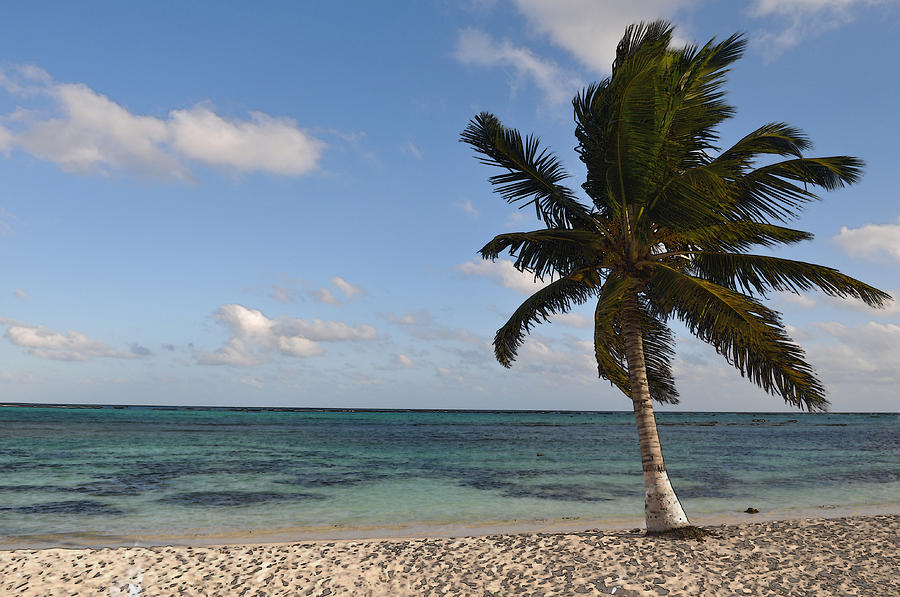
{"x": 842, "y": 556}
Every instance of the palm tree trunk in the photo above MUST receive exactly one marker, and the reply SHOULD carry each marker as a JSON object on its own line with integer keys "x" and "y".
{"x": 662, "y": 509}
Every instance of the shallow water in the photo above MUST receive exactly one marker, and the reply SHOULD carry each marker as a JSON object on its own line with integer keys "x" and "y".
{"x": 134, "y": 471}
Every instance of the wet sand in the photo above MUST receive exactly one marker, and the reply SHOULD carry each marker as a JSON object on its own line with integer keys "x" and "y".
{"x": 840, "y": 556}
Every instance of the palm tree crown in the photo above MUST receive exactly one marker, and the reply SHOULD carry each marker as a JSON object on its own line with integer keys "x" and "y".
{"x": 672, "y": 219}
{"x": 669, "y": 232}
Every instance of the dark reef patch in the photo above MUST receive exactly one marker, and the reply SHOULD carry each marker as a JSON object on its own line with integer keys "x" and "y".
{"x": 87, "y": 507}
{"x": 235, "y": 498}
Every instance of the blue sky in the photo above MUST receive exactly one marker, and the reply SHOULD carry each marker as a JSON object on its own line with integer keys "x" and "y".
{"x": 268, "y": 204}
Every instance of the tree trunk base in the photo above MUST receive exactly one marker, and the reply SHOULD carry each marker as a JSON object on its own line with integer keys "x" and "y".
{"x": 662, "y": 510}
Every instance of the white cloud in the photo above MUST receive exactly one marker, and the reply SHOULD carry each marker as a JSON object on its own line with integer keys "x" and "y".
{"x": 45, "y": 343}
{"x": 537, "y": 356}
{"x": 799, "y": 300}
{"x": 93, "y": 134}
{"x": 235, "y": 353}
{"x": 298, "y": 346}
{"x": 591, "y": 29}
{"x": 404, "y": 360}
{"x": 347, "y": 288}
{"x": 23, "y": 80}
{"x": 800, "y": 19}
{"x": 323, "y": 295}
{"x": 325, "y": 331}
{"x": 250, "y": 325}
{"x": 254, "y": 335}
{"x": 891, "y": 309}
{"x": 263, "y": 143}
{"x": 872, "y": 241}
{"x": 478, "y": 48}
{"x": 502, "y": 272}
{"x": 571, "y": 319}
{"x": 865, "y": 353}
{"x": 796, "y": 333}
{"x": 20, "y": 294}
{"x": 88, "y": 133}
{"x": 467, "y": 208}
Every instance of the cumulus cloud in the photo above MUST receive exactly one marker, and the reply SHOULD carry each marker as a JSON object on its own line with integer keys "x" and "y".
{"x": 591, "y": 29}
{"x": 891, "y": 309}
{"x": 864, "y": 353}
{"x": 503, "y": 272}
{"x": 325, "y": 295}
{"x": 262, "y": 143}
{"x": 254, "y": 335}
{"x": 45, "y": 343}
{"x": 571, "y": 319}
{"x": 795, "y": 20}
{"x": 85, "y": 132}
{"x": 20, "y": 294}
{"x": 92, "y": 134}
{"x": 235, "y": 353}
{"x": 799, "y": 300}
{"x": 872, "y": 241}
{"x": 478, "y": 48}
{"x": 350, "y": 291}
{"x": 537, "y": 355}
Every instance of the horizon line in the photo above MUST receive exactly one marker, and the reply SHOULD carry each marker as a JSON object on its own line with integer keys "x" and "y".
{"x": 96, "y": 406}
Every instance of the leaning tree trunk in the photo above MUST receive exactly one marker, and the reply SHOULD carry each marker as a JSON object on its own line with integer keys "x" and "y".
{"x": 662, "y": 509}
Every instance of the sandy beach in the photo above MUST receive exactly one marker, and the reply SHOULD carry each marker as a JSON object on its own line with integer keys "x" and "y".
{"x": 840, "y": 556}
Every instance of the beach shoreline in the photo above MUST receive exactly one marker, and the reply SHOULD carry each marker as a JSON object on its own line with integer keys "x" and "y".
{"x": 422, "y": 530}
{"x": 856, "y": 555}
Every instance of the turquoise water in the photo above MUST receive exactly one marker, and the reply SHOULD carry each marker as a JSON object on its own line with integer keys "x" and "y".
{"x": 125, "y": 472}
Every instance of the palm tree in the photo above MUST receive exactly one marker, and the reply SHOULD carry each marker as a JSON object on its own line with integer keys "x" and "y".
{"x": 668, "y": 232}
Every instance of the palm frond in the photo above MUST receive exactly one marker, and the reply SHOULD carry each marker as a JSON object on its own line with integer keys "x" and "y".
{"x": 659, "y": 348}
{"x": 775, "y": 138}
{"x": 609, "y": 350}
{"x": 750, "y": 336}
{"x": 609, "y": 346}
{"x": 557, "y": 297}
{"x": 770, "y": 191}
{"x": 732, "y": 237}
{"x": 532, "y": 174}
{"x": 761, "y": 274}
{"x": 548, "y": 251}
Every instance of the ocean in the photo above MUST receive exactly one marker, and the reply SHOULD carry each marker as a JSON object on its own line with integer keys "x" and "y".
{"x": 138, "y": 475}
